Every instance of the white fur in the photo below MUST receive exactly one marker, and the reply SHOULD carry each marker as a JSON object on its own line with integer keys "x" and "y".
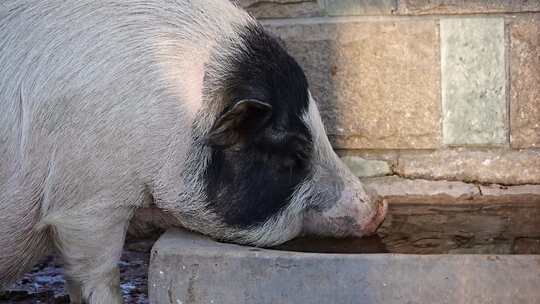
{"x": 99, "y": 105}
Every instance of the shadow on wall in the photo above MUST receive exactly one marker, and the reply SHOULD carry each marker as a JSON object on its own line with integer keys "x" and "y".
{"x": 316, "y": 54}
{"x": 377, "y": 83}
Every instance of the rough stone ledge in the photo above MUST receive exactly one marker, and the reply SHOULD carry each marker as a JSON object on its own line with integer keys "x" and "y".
{"x": 358, "y": 7}
{"x": 495, "y": 166}
{"x": 397, "y": 188}
{"x": 362, "y": 167}
{"x": 482, "y": 166}
{"x": 187, "y": 268}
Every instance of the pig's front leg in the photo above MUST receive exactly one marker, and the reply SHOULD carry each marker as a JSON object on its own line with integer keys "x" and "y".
{"x": 90, "y": 243}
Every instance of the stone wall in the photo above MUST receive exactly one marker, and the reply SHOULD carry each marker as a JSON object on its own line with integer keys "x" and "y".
{"x": 430, "y": 89}
{"x": 435, "y": 104}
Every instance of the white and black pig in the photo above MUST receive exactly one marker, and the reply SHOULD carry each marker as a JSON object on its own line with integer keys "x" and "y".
{"x": 114, "y": 105}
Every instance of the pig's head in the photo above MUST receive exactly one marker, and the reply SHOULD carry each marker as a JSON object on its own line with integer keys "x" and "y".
{"x": 267, "y": 172}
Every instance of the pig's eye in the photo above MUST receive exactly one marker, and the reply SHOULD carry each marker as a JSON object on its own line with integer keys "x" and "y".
{"x": 295, "y": 161}
{"x": 290, "y": 152}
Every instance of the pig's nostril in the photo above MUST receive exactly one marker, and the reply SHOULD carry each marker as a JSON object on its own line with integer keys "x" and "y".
{"x": 383, "y": 208}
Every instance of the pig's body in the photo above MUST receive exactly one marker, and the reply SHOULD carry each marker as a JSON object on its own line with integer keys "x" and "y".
{"x": 106, "y": 106}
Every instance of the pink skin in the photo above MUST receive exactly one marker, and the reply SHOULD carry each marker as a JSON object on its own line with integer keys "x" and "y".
{"x": 371, "y": 227}
{"x": 355, "y": 219}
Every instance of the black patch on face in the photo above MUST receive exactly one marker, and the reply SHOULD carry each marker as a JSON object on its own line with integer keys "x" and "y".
{"x": 248, "y": 184}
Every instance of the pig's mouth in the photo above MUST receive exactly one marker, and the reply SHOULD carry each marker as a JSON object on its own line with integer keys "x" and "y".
{"x": 341, "y": 234}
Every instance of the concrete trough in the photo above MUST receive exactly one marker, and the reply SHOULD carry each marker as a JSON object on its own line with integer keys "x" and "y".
{"x": 442, "y": 242}
{"x": 187, "y": 268}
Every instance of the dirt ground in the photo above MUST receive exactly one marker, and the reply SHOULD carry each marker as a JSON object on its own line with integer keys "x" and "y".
{"x": 45, "y": 282}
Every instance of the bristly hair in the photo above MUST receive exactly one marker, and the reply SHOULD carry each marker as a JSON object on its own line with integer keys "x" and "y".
{"x": 248, "y": 187}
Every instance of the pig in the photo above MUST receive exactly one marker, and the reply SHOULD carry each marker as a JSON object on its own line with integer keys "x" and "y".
{"x": 192, "y": 107}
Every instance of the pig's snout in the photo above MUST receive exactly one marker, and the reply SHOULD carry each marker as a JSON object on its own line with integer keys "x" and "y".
{"x": 371, "y": 226}
{"x": 353, "y": 215}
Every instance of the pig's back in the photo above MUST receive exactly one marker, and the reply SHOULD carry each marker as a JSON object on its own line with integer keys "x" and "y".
{"x": 96, "y": 81}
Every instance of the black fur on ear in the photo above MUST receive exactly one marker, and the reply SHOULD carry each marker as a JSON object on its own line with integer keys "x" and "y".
{"x": 235, "y": 127}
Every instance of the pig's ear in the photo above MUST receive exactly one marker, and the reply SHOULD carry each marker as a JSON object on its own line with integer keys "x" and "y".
{"x": 235, "y": 126}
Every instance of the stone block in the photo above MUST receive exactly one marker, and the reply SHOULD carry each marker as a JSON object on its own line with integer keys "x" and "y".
{"x": 445, "y": 191}
{"x": 281, "y": 8}
{"x": 362, "y": 167}
{"x": 386, "y": 155}
{"x": 499, "y": 191}
{"x": 187, "y": 268}
{"x": 473, "y": 81}
{"x": 507, "y": 167}
{"x": 423, "y": 7}
{"x": 359, "y": 7}
{"x": 525, "y": 82}
{"x": 376, "y": 83}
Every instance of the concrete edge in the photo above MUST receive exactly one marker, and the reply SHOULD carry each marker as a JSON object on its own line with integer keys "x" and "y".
{"x": 175, "y": 242}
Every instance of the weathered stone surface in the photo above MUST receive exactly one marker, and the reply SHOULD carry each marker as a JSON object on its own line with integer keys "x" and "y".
{"x": 359, "y": 7}
{"x": 455, "y": 217}
{"x": 513, "y": 191}
{"x": 393, "y": 186}
{"x": 377, "y": 83}
{"x": 389, "y": 156}
{"x": 526, "y": 246}
{"x": 187, "y": 268}
{"x": 281, "y": 8}
{"x": 525, "y": 82}
{"x": 362, "y": 167}
{"x": 473, "y": 81}
{"x": 421, "y": 7}
{"x": 484, "y": 166}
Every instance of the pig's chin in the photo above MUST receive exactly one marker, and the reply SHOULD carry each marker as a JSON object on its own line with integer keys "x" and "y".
{"x": 355, "y": 223}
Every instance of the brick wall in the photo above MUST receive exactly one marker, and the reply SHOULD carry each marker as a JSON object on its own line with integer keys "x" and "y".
{"x": 422, "y": 89}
